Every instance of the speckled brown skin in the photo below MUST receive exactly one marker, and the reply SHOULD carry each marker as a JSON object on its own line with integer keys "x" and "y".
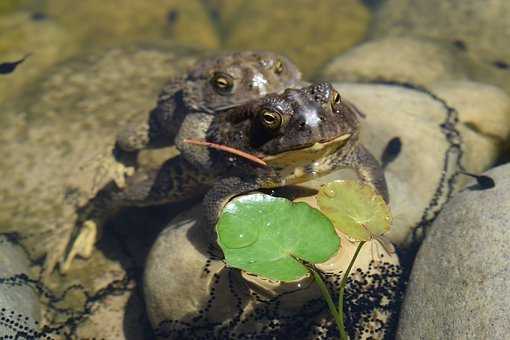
{"x": 315, "y": 133}
{"x": 213, "y": 84}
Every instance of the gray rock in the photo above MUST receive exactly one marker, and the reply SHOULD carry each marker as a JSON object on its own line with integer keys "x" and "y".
{"x": 187, "y": 289}
{"x": 402, "y": 59}
{"x": 19, "y": 303}
{"x": 479, "y": 29}
{"x": 459, "y": 284}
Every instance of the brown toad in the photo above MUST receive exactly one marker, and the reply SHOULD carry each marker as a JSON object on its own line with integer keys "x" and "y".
{"x": 300, "y": 134}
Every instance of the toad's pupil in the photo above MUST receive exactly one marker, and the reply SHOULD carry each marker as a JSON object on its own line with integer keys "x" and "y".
{"x": 222, "y": 82}
{"x": 336, "y": 98}
{"x": 269, "y": 118}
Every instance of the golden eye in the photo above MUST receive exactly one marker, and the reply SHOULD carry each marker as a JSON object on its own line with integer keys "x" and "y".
{"x": 270, "y": 119}
{"x": 223, "y": 83}
{"x": 278, "y": 67}
{"x": 336, "y": 97}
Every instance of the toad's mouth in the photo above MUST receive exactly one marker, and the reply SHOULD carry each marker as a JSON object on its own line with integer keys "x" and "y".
{"x": 312, "y": 148}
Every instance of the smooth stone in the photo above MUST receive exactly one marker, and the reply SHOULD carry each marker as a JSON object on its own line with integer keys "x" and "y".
{"x": 189, "y": 293}
{"x": 397, "y": 59}
{"x": 57, "y": 141}
{"x": 119, "y": 316}
{"x": 185, "y": 22}
{"x": 474, "y": 101}
{"x": 304, "y": 35}
{"x": 419, "y": 179}
{"x": 459, "y": 282}
{"x": 479, "y": 29}
{"x": 19, "y": 302}
{"x": 51, "y": 148}
{"x": 47, "y": 42}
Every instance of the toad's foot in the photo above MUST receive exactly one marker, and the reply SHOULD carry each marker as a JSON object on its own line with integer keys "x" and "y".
{"x": 109, "y": 169}
{"x": 82, "y": 245}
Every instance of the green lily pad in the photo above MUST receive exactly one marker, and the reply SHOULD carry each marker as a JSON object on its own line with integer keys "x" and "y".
{"x": 355, "y": 209}
{"x": 268, "y": 236}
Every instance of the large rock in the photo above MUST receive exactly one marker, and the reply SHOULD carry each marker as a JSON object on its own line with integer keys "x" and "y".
{"x": 300, "y": 33}
{"x": 480, "y": 29}
{"x": 190, "y": 294}
{"x": 434, "y": 145}
{"x": 459, "y": 283}
{"x": 52, "y": 139}
{"x": 401, "y": 59}
{"x": 20, "y": 311}
{"x": 20, "y": 34}
{"x": 182, "y": 21}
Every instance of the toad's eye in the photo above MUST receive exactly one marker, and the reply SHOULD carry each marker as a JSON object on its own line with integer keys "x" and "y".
{"x": 336, "y": 98}
{"x": 278, "y": 67}
{"x": 271, "y": 120}
{"x": 222, "y": 83}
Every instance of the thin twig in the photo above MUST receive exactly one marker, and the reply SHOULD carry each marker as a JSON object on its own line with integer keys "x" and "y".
{"x": 228, "y": 149}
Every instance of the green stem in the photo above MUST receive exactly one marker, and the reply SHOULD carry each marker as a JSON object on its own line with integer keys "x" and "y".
{"x": 343, "y": 333}
{"x": 327, "y": 296}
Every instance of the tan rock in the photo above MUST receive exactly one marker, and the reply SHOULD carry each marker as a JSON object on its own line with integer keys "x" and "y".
{"x": 309, "y": 37}
{"x": 398, "y": 59}
{"x": 187, "y": 287}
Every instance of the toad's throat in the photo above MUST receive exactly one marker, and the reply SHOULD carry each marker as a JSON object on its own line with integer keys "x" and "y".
{"x": 308, "y": 152}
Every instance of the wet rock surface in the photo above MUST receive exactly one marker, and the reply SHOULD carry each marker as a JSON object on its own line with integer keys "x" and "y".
{"x": 479, "y": 29}
{"x": 206, "y": 299}
{"x": 45, "y": 41}
{"x": 51, "y": 146}
{"x": 459, "y": 283}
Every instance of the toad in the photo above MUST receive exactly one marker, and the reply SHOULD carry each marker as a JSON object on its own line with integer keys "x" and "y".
{"x": 299, "y": 134}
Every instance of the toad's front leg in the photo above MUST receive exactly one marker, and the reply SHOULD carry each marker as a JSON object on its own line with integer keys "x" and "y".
{"x": 221, "y": 193}
{"x": 368, "y": 169}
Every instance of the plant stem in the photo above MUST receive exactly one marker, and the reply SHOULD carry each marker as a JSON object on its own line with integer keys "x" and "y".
{"x": 326, "y": 295}
{"x": 343, "y": 333}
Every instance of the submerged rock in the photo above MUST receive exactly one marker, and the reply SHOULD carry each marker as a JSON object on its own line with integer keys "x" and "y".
{"x": 459, "y": 283}
{"x": 190, "y": 294}
{"x": 309, "y": 32}
{"x": 479, "y": 29}
{"x": 50, "y": 145}
{"x": 180, "y": 21}
{"x": 46, "y": 41}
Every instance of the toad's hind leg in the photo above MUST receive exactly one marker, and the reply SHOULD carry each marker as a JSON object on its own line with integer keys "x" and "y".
{"x": 175, "y": 181}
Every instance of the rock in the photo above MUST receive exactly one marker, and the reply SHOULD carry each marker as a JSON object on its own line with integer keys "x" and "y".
{"x": 473, "y": 101}
{"x": 46, "y": 40}
{"x": 56, "y": 135}
{"x": 184, "y": 22}
{"x": 302, "y": 34}
{"x": 480, "y": 29}
{"x": 20, "y": 311}
{"x": 459, "y": 283}
{"x": 399, "y": 59}
{"x": 119, "y": 316}
{"x": 50, "y": 143}
{"x": 425, "y": 172}
{"x": 190, "y": 294}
